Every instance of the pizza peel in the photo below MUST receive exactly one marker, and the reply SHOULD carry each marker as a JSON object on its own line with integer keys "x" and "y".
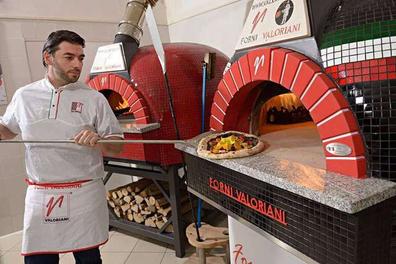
{"x": 109, "y": 141}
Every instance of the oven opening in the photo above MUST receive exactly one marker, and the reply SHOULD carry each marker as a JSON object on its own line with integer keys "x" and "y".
{"x": 285, "y": 124}
{"x": 118, "y": 104}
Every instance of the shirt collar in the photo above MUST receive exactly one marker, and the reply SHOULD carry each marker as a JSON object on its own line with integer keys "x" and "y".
{"x": 49, "y": 84}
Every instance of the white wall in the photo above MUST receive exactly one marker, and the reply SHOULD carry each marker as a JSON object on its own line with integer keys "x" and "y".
{"x": 24, "y": 25}
{"x": 213, "y": 23}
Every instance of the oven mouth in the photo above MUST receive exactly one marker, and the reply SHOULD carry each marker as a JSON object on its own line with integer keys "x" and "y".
{"x": 118, "y": 104}
{"x": 282, "y": 121}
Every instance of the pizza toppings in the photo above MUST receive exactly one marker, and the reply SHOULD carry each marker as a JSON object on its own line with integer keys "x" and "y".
{"x": 230, "y": 142}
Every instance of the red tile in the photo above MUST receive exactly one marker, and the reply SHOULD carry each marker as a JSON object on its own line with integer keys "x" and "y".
{"x": 340, "y": 124}
{"x": 353, "y": 168}
{"x": 357, "y": 65}
{"x": 245, "y": 68}
{"x": 391, "y": 60}
{"x": 349, "y": 66}
{"x": 259, "y": 63}
{"x": 132, "y": 97}
{"x": 140, "y": 113}
{"x": 219, "y": 101}
{"x": 342, "y": 81}
{"x": 303, "y": 77}
{"x": 383, "y": 76}
{"x": 392, "y": 75}
{"x": 365, "y": 64}
{"x": 230, "y": 84}
{"x": 365, "y": 70}
{"x": 357, "y": 79}
{"x": 319, "y": 86}
{"x": 374, "y": 77}
{"x": 237, "y": 75}
{"x": 292, "y": 62}
{"x": 122, "y": 88}
{"x": 112, "y": 80}
{"x": 373, "y": 63}
{"x": 382, "y": 62}
{"x": 366, "y": 78}
{"x": 137, "y": 105}
{"x": 341, "y": 67}
{"x": 277, "y": 60}
{"x": 357, "y": 72}
{"x": 217, "y": 112}
{"x": 330, "y": 103}
{"x": 215, "y": 125}
{"x": 224, "y": 92}
{"x": 382, "y": 69}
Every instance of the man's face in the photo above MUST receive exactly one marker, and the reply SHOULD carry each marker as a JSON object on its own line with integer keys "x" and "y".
{"x": 66, "y": 63}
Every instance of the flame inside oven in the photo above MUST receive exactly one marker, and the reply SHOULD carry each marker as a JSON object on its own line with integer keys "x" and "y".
{"x": 118, "y": 104}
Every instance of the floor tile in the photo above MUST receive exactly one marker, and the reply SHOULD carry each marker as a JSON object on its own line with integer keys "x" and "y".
{"x": 120, "y": 243}
{"x": 170, "y": 258}
{"x": 11, "y": 257}
{"x": 149, "y": 245}
{"x": 115, "y": 257}
{"x": 189, "y": 249}
{"x": 9, "y": 241}
{"x": 144, "y": 257}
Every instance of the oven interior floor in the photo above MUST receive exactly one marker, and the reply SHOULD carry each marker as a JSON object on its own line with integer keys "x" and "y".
{"x": 296, "y": 142}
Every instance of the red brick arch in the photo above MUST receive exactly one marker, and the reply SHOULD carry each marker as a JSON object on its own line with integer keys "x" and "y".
{"x": 329, "y": 109}
{"x": 110, "y": 81}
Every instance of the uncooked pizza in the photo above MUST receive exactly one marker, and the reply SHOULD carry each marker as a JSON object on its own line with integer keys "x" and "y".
{"x": 228, "y": 145}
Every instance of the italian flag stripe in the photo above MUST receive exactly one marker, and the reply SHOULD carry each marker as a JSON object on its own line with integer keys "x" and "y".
{"x": 369, "y": 49}
{"x": 358, "y": 33}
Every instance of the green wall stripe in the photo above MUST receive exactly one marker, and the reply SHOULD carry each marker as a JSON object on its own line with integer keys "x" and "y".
{"x": 358, "y": 33}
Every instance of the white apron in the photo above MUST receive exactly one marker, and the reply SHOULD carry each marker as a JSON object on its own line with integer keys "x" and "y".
{"x": 64, "y": 217}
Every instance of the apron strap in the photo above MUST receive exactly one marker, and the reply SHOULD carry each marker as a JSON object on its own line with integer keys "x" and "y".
{"x": 75, "y": 184}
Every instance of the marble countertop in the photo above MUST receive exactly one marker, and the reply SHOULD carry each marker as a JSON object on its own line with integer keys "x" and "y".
{"x": 338, "y": 191}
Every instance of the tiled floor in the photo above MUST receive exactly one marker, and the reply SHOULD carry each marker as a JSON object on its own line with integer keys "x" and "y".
{"x": 120, "y": 249}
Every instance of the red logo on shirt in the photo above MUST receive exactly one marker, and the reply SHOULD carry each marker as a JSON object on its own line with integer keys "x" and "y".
{"x": 76, "y": 107}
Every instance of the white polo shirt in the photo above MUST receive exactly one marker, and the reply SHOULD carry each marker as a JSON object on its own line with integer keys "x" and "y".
{"x": 38, "y": 111}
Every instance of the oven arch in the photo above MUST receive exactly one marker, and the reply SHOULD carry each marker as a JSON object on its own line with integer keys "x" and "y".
{"x": 319, "y": 94}
{"x": 122, "y": 86}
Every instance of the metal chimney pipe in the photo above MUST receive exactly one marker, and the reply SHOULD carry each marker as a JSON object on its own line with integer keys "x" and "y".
{"x": 130, "y": 30}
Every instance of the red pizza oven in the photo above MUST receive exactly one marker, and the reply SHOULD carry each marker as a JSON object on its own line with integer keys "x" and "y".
{"x": 142, "y": 104}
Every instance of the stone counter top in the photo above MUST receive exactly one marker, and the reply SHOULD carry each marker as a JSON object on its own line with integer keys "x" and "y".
{"x": 338, "y": 191}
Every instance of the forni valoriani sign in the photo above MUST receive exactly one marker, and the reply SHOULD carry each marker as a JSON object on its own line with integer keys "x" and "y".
{"x": 254, "y": 203}
{"x": 272, "y": 21}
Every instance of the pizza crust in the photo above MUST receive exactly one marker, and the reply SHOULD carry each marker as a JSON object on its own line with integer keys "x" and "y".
{"x": 203, "y": 144}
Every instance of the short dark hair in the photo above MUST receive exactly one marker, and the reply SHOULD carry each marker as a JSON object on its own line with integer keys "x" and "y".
{"x": 57, "y": 37}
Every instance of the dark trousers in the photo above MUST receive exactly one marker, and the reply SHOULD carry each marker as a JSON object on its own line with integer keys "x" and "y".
{"x": 91, "y": 256}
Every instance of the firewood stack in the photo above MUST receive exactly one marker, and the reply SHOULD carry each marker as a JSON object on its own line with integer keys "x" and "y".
{"x": 143, "y": 203}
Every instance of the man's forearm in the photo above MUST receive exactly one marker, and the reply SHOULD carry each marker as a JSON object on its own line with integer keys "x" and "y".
{"x": 5, "y": 133}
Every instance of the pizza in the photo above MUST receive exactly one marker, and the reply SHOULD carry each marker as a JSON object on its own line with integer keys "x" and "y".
{"x": 228, "y": 145}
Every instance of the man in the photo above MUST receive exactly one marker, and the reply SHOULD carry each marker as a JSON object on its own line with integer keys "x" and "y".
{"x": 65, "y": 206}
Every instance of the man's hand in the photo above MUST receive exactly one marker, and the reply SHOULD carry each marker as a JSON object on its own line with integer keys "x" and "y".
{"x": 86, "y": 138}
{"x": 5, "y": 133}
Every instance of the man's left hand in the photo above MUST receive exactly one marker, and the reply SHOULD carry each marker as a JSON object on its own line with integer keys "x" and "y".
{"x": 86, "y": 138}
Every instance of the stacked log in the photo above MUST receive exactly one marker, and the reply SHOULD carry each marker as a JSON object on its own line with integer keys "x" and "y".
{"x": 143, "y": 202}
